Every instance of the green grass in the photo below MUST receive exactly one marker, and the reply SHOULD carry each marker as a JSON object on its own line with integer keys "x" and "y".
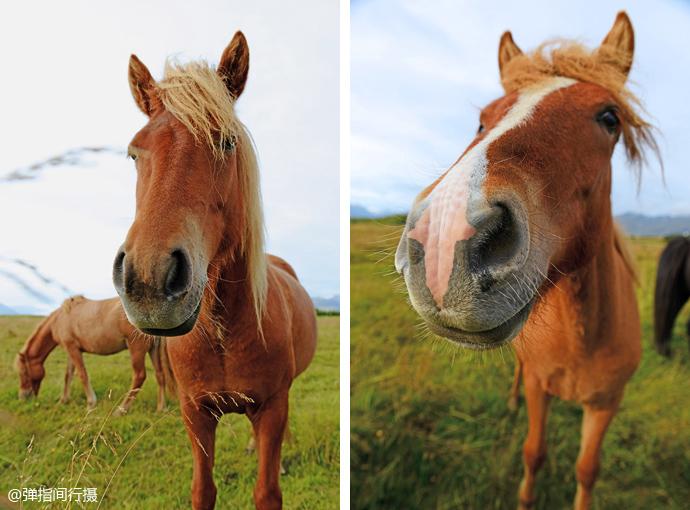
{"x": 430, "y": 425}
{"x": 144, "y": 458}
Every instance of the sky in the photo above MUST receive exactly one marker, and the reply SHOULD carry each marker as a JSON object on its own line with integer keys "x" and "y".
{"x": 421, "y": 71}
{"x": 65, "y": 86}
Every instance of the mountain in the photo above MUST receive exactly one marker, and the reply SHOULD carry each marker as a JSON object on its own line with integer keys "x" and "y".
{"x": 6, "y": 310}
{"x": 327, "y": 304}
{"x": 360, "y": 212}
{"x": 645, "y": 226}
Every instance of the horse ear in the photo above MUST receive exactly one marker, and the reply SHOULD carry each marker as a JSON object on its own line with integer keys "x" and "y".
{"x": 142, "y": 85}
{"x": 507, "y": 50}
{"x": 234, "y": 64}
{"x": 621, "y": 39}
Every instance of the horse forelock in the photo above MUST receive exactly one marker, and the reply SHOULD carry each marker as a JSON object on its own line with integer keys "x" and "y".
{"x": 602, "y": 67}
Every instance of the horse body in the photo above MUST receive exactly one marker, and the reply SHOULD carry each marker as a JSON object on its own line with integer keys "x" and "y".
{"x": 516, "y": 243}
{"x": 193, "y": 266}
{"x": 93, "y": 326}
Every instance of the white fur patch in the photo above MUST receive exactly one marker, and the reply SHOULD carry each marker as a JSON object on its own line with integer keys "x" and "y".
{"x": 459, "y": 196}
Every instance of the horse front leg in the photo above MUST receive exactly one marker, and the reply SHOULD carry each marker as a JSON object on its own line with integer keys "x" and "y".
{"x": 534, "y": 448}
{"x": 201, "y": 428}
{"x": 595, "y": 422}
{"x": 69, "y": 375}
{"x": 77, "y": 359}
{"x": 155, "y": 355}
{"x": 514, "y": 396}
{"x": 269, "y": 427}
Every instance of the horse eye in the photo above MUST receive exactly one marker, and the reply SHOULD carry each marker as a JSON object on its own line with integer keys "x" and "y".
{"x": 609, "y": 119}
{"x": 480, "y": 129}
{"x": 229, "y": 144}
{"x": 132, "y": 157}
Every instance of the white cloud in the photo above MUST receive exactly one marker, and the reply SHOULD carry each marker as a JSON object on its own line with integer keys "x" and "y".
{"x": 419, "y": 77}
{"x": 65, "y": 86}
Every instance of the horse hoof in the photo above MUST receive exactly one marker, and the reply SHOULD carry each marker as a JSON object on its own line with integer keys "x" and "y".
{"x": 513, "y": 403}
{"x": 120, "y": 411}
{"x": 283, "y": 471}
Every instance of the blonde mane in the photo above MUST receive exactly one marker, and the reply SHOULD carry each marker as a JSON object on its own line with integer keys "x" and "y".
{"x": 196, "y": 95}
{"x": 602, "y": 67}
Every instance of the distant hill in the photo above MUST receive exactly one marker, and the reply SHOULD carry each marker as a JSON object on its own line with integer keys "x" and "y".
{"x": 633, "y": 223}
{"x": 647, "y": 226}
{"x": 6, "y": 310}
{"x": 329, "y": 304}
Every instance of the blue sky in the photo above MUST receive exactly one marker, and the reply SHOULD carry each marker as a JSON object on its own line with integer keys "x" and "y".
{"x": 422, "y": 70}
{"x": 65, "y": 86}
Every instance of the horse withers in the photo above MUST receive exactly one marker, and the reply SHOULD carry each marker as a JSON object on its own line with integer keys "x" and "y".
{"x": 193, "y": 266}
{"x": 516, "y": 241}
{"x": 80, "y": 326}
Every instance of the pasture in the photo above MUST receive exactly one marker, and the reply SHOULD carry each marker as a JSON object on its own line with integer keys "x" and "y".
{"x": 430, "y": 424}
{"x": 143, "y": 460}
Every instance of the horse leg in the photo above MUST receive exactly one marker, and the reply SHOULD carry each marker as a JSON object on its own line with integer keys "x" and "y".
{"x": 534, "y": 448}
{"x": 138, "y": 355}
{"x": 269, "y": 426}
{"x": 160, "y": 377}
{"x": 78, "y": 361}
{"x": 595, "y": 421}
{"x": 201, "y": 429}
{"x": 69, "y": 375}
{"x": 514, "y": 398}
{"x": 251, "y": 446}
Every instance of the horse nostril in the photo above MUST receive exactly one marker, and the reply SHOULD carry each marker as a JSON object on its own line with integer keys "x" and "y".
{"x": 179, "y": 277}
{"x": 119, "y": 270}
{"x": 496, "y": 243}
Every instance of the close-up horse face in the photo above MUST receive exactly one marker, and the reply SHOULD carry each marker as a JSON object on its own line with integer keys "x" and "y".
{"x": 185, "y": 187}
{"x": 30, "y": 377}
{"x": 523, "y": 204}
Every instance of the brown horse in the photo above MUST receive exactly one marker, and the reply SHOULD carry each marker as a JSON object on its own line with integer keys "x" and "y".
{"x": 95, "y": 327}
{"x": 516, "y": 240}
{"x": 193, "y": 265}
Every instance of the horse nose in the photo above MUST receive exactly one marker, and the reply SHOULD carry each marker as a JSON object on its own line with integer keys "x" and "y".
{"x": 499, "y": 244}
{"x": 171, "y": 279}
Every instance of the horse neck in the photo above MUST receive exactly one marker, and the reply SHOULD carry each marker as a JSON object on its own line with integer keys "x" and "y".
{"x": 228, "y": 294}
{"x": 41, "y": 343}
{"x": 595, "y": 287}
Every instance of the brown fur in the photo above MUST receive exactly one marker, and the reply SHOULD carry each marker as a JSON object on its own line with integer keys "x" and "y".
{"x": 256, "y": 330}
{"x": 96, "y": 327}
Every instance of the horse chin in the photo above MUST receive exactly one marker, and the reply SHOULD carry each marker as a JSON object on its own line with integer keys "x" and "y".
{"x": 492, "y": 338}
{"x": 182, "y": 329}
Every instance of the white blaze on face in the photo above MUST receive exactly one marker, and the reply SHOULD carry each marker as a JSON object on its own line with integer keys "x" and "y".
{"x": 459, "y": 196}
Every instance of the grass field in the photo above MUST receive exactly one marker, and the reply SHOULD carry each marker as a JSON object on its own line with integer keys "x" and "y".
{"x": 430, "y": 426}
{"x": 143, "y": 460}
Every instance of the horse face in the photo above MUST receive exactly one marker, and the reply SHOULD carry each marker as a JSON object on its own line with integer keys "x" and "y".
{"x": 30, "y": 377}
{"x": 182, "y": 195}
{"x": 526, "y": 201}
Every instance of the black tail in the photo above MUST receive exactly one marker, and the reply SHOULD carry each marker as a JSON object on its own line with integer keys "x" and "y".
{"x": 672, "y": 290}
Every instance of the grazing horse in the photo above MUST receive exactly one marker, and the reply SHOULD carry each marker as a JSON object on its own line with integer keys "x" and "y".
{"x": 672, "y": 290}
{"x": 193, "y": 265}
{"x": 516, "y": 241}
{"x": 96, "y": 327}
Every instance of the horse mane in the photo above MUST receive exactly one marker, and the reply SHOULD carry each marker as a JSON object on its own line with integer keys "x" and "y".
{"x": 197, "y": 96}
{"x": 602, "y": 67}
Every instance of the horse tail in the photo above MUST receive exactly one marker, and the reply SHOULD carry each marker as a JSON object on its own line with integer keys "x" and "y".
{"x": 671, "y": 292}
{"x": 623, "y": 250}
{"x": 160, "y": 350}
